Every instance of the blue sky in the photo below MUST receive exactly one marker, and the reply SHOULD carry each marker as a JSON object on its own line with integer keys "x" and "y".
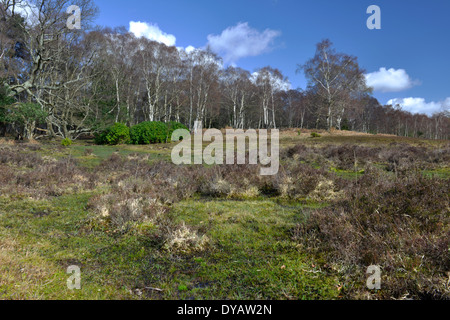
{"x": 408, "y": 59}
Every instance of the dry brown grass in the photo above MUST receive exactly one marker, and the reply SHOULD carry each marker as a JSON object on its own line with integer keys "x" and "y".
{"x": 306, "y": 133}
{"x": 9, "y": 142}
{"x": 185, "y": 240}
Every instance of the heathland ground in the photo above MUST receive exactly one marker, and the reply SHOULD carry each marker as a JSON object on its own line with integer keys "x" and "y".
{"x": 140, "y": 227}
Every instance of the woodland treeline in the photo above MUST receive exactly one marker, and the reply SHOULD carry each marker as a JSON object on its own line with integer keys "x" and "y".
{"x": 67, "y": 83}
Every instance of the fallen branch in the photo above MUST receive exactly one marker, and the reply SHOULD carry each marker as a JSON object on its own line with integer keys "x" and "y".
{"x": 154, "y": 289}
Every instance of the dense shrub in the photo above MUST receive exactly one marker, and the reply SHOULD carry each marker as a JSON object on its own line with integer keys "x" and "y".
{"x": 172, "y": 126}
{"x": 149, "y": 132}
{"x": 118, "y": 133}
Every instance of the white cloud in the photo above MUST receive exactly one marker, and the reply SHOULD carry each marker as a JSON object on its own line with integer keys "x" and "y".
{"x": 389, "y": 80}
{"x": 152, "y": 32}
{"x": 189, "y": 49}
{"x": 241, "y": 41}
{"x": 419, "y": 105}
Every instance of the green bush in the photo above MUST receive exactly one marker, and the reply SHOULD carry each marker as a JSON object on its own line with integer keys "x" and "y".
{"x": 149, "y": 132}
{"x": 315, "y": 135}
{"x": 5, "y": 101}
{"x": 25, "y": 114}
{"x": 172, "y": 126}
{"x": 66, "y": 142}
{"x": 116, "y": 134}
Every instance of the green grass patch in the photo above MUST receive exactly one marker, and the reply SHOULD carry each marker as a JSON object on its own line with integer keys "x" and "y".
{"x": 347, "y": 174}
{"x": 443, "y": 173}
{"x": 253, "y": 256}
{"x": 41, "y": 239}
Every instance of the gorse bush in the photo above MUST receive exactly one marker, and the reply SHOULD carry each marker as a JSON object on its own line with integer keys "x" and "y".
{"x": 149, "y": 132}
{"x": 118, "y": 133}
